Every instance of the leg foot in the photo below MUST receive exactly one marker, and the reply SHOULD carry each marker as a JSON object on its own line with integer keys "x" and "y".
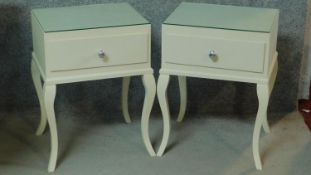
{"x": 162, "y": 97}
{"x": 38, "y": 86}
{"x": 263, "y": 98}
{"x": 125, "y": 90}
{"x": 150, "y": 91}
{"x": 49, "y": 97}
{"x": 183, "y": 97}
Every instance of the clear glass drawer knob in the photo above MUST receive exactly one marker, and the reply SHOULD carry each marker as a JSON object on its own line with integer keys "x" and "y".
{"x": 212, "y": 54}
{"x": 101, "y": 53}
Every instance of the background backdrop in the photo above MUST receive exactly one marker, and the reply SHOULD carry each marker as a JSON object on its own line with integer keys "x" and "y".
{"x": 205, "y": 96}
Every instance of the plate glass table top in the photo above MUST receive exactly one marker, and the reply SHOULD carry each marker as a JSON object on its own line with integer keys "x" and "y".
{"x": 223, "y": 17}
{"x": 88, "y": 17}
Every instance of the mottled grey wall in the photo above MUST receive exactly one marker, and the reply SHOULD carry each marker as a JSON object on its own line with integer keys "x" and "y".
{"x": 205, "y": 96}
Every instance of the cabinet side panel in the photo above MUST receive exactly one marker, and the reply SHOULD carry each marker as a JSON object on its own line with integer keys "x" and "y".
{"x": 149, "y": 43}
{"x": 38, "y": 42}
{"x": 273, "y": 40}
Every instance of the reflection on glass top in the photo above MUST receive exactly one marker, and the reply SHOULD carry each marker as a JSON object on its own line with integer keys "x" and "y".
{"x": 223, "y": 17}
{"x": 88, "y": 17}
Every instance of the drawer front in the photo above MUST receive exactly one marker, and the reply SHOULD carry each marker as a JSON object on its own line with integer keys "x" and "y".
{"x": 228, "y": 54}
{"x": 84, "y": 52}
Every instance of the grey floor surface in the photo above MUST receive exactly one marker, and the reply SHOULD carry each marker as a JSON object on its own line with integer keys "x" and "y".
{"x": 206, "y": 145}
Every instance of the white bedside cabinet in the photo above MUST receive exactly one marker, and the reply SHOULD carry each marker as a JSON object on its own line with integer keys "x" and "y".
{"x": 92, "y": 42}
{"x": 224, "y": 43}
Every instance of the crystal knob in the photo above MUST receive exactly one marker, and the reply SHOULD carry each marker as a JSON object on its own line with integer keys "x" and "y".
{"x": 101, "y": 53}
{"x": 212, "y": 54}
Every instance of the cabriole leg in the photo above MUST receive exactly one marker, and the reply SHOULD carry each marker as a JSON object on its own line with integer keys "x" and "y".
{"x": 150, "y": 91}
{"x": 183, "y": 97}
{"x": 39, "y": 90}
{"x": 125, "y": 90}
{"x": 49, "y": 92}
{"x": 162, "y": 97}
{"x": 263, "y": 99}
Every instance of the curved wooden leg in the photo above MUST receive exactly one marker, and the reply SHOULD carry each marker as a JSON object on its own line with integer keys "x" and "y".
{"x": 162, "y": 97}
{"x": 150, "y": 91}
{"x": 38, "y": 86}
{"x": 265, "y": 123}
{"x": 263, "y": 98}
{"x": 125, "y": 90}
{"x": 183, "y": 97}
{"x": 49, "y": 92}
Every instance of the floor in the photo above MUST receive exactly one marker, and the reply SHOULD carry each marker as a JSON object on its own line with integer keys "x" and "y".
{"x": 201, "y": 145}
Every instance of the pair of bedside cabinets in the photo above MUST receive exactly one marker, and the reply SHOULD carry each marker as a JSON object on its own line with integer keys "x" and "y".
{"x": 93, "y": 42}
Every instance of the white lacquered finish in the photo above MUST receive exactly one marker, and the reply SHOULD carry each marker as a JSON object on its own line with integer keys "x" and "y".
{"x": 91, "y": 54}
{"x": 183, "y": 97}
{"x": 162, "y": 97}
{"x": 219, "y": 53}
{"x": 150, "y": 91}
{"x": 39, "y": 89}
{"x": 49, "y": 92}
{"x": 125, "y": 89}
{"x": 101, "y": 48}
{"x": 215, "y": 50}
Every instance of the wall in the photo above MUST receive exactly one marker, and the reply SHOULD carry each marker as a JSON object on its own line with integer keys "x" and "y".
{"x": 205, "y": 96}
{"x": 305, "y": 70}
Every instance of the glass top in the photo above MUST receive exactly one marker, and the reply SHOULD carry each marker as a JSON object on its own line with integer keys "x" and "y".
{"x": 223, "y": 17}
{"x": 88, "y": 17}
